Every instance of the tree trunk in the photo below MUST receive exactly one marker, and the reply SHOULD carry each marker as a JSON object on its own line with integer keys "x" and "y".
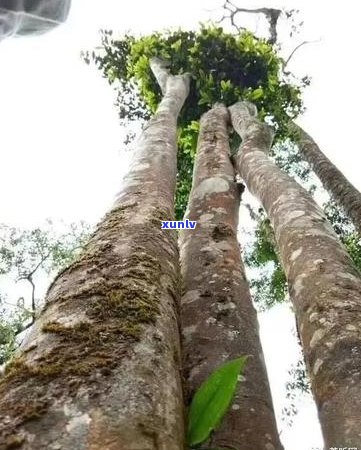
{"x": 341, "y": 190}
{"x": 325, "y": 287}
{"x": 218, "y": 320}
{"x": 100, "y": 369}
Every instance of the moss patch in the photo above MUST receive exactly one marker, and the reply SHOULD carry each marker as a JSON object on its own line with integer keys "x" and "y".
{"x": 12, "y": 441}
{"x": 117, "y": 311}
{"x": 100, "y": 243}
{"x": 79, "y": 350}
{"x": 221, "y": 232}
{"x": 120, "y": 297}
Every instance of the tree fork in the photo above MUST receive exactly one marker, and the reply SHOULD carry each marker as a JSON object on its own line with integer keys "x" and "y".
{"x": 324, "y": 286}
{"x": 218, "y": 319}
{"x": 100, "y": 369}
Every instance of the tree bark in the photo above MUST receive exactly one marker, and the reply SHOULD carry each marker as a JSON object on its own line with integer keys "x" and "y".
{"x": 325, "y": 287}
{"x": 100, "y": 369}
{"x": 219, "y": 322}
{"x": 341, "y": 190}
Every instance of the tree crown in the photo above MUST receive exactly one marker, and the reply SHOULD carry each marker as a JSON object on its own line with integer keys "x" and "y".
{"x": 224, "y": 68}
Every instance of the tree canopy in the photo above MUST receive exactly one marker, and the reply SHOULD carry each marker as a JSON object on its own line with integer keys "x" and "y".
{"x": 223, "y": 67}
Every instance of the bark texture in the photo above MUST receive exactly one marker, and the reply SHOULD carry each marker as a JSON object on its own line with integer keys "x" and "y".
{"x": 324, "y": 286}
{"x": 100, "y": 369}
{"x": 342, "y": 191}
{"x": 219, "y": 322}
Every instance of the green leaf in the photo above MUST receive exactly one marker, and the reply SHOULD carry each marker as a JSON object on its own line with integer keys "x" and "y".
{"x": 256, "y": 94}
{"x": 176, "y": 45}
{"x": 226, "y": 85}
{"x": 203, "y": 101}
{"x": 212, "y": 400}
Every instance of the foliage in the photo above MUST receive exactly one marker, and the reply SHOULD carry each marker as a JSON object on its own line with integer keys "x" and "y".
{"x": 12, "y": 323}
{"x": 22, "y": 250}
{"x": 288, "y": 158}
{"x": 352, "y": 242}
{"x": 30, "y": 256}
{"x": 345, "y": 230}
{"x": 298, "y": 384}
{"x": 187, "y": 139}
{"x": 212, "y": 400}
{"x": 269, "y": 285}
{"x": 264, "y": 249}
{"x": 224, "y": 68}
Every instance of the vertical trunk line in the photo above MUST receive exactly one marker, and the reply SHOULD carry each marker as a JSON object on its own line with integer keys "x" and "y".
{"x": 218, "y": 320}
{"x": 100, "y": 369}
{"x": 324, "y": 286}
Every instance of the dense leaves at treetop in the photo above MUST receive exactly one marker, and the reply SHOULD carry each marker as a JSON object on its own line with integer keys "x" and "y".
{"x": 223, "y": 67}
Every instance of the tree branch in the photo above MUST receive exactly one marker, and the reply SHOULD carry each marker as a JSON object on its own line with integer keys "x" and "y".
{"x": 271, "y": 14}
{"x": 160, "y": 69}
{"x": 30, "y": 274}
{"x": 33, "y": 304}
{"x": 294, "y": 51}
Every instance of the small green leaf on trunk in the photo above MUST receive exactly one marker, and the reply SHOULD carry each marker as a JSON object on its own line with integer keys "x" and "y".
{"x": 212, "y": 400}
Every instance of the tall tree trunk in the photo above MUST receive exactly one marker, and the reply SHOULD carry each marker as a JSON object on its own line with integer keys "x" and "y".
{"x": 218, "y": 319}
{"x": 100, "y": 369}
{"x": 325, "y": 287}
{"x": 342, "y": 191}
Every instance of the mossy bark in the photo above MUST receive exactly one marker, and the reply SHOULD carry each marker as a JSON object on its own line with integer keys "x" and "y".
{"x": 100, "y": 369}
{"x": 338, "y": 186}
{"x": 324, "y": 286}
{"x": 219, "y": 322}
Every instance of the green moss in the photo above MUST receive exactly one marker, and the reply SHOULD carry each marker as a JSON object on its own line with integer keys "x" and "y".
{"x": 30, "y": 411}
{"x": 221, "y": 232}
{"x": 16, "y": 367}
{"x": 160, "y": 214}
{"x": 94, "y": 252}
{"x": 132, "y": 305}
{"x": 116, "y": 312}
{"x": 13, "y": 441}
{"x": 121, "y": 297}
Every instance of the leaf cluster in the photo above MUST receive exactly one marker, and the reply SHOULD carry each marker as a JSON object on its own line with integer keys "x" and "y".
{"x": 298, "y": 385}
{"x": 22, "y": 250}
{"x": 269, "y": 286}
{"x": 31, "y": 255}
{"x": 11, "y": 324}
{"x": 345, "y": 230}
{"x": 223, "y": 67}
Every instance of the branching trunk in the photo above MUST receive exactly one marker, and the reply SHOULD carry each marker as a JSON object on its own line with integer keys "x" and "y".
{"x": 324, "y": 285}
{"x": 342, "y": 191}
{"x": 219, "y": 322}
{"x": 100, "y": 369}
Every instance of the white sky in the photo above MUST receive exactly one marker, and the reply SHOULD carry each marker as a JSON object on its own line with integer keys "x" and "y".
{"x": 61, "y": 145}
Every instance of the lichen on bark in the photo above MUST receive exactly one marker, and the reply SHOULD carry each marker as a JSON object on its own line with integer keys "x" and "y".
{"x": 218, "y": 319}
{"x": 324, "y": 285}
{"x": 88, "y": 375}
{"x": 332, "y": 179}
